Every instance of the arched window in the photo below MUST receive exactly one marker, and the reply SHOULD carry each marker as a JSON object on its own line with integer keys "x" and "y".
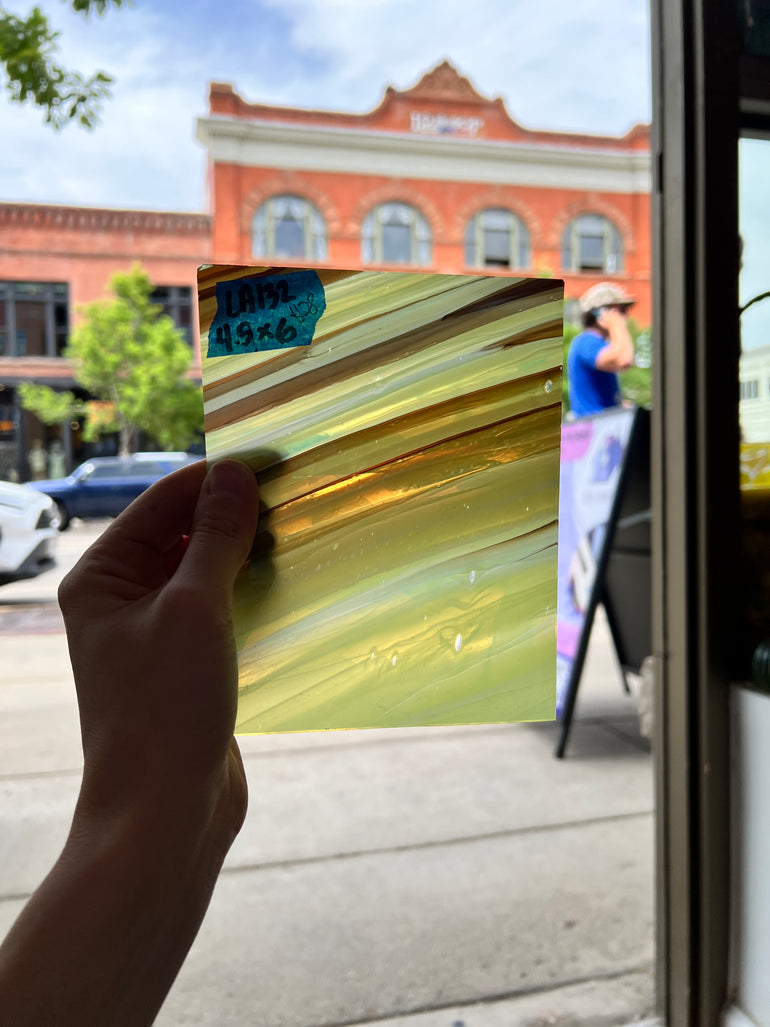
{"x": 592, "y": 243}
{"x": 289, "y": 226}
{"x": 395, "y": 233}
{"x": 496, "y": 238}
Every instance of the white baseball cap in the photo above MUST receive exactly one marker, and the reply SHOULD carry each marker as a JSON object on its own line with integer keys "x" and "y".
{"x": 605, "y": 294}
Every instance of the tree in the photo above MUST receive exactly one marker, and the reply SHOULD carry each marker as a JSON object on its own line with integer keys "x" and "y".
{"x": 132, "y": 360}
{"x": 28, "y": 48}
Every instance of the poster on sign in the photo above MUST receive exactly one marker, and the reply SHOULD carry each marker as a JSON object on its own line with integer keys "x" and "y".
{"x": 404, "y": 429}
{"x": 592, "y": 456}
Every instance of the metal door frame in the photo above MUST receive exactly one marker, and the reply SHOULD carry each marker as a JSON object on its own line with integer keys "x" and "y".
{"x": 695, "y": 497}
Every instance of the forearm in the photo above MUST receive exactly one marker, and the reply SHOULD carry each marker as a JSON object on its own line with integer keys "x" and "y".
{"x": 164, "y": 793}
{"x": 103, "y": 938}
{"x": 620, "y": 348}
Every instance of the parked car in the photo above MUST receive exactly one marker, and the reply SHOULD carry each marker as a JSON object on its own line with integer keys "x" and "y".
{"x": 28, "y": 532}
{"x": 105, "y": 486}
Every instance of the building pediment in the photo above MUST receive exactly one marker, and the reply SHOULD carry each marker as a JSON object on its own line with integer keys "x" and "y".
{"x": 442, "y": 103}
{"x": 444, "y": 84}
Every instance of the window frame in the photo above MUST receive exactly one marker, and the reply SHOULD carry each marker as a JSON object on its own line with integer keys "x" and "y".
{"x": 518, "y": 240}
{"x": 51, "y": 294}
{"x": 177, "y": 299}
{"x": 612, "y": 246}
{"x": 315, "y": 231}
{"x": 420, "y": 248}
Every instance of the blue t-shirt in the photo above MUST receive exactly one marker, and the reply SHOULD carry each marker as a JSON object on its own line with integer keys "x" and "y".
{"x": 590, "y": 390}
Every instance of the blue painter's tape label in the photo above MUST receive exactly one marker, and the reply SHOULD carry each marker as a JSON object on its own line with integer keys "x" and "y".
{"x": 266, "y": 312}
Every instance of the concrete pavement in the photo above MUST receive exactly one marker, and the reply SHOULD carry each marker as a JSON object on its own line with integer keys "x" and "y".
{"x": 425, "y": 878}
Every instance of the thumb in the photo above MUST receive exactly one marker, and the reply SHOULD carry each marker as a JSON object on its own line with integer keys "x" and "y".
{"x": 223, "y": 528}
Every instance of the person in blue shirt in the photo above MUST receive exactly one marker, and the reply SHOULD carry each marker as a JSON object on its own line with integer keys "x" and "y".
{"x": 603, "y": 348}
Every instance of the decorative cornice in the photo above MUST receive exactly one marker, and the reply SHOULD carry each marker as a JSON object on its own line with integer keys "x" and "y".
{"x": 46, "y": 370}
{"x": 136, "y": 254}
{"x": 452, "y": 107}
{"x": 444, "y": 83}
{"x": 78, "y": 219}
{"x": 56, "y": 370}
{"x": 232, "y": 140}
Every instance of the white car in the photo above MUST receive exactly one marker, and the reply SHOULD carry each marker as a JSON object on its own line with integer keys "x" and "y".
{"x": 29, "y": 523}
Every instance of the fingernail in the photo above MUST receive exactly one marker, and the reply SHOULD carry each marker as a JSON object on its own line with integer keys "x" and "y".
{"x": 230, "y": 478}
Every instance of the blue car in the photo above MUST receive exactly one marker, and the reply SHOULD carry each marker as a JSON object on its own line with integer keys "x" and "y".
{"x": 105, "y": 486}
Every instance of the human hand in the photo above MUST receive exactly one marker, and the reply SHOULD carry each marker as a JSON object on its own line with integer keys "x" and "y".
{"x": 612, "y": 318}
{"x": 618, "y": 353}
{"x": 148, "y": 618}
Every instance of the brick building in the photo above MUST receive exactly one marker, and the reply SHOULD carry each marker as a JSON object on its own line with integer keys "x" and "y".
{"x": 437, "y": 177}
{"x": 55, "y": 259}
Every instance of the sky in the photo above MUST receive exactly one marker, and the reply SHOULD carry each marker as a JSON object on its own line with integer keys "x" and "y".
{"x": 576, "y": 66}
{"x": 753, "y": 155}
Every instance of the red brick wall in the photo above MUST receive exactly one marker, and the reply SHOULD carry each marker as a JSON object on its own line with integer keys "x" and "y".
{"x": 84, "y": 247}
{"x": 344, "y": 200}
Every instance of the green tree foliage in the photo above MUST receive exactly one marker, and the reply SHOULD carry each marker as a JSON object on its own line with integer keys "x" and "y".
{"x": 636, "y": 382}
{"x": 134, "y": 363}
{"x": 28, "y": 50}
{"x": 50, "y": 406}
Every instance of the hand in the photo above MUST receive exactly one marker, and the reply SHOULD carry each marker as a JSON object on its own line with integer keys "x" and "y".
{"x": 611, "y": 319}
{"x": 148, "y": 617}
{"x": 618, "y": 354}
{"x": 148, "y": 620}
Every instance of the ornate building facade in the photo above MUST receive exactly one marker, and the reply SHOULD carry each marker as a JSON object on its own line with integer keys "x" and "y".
{"x": 438, "y": 178}
{"x": 55, "y": 259}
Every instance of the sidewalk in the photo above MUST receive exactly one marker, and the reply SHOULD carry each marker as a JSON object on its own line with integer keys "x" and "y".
{"x": 424, "y": 878}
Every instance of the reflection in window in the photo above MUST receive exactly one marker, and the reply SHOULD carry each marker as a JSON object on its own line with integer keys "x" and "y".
{"x": 395, "y": 233}
{"x": 592, "y": 243}
{"x": 110, "y": 470}
{"x": 34, "y": 319}
{"x": 496, "y": 238}
{"x": 289, "y": 226}
{"x": 755, "y": 18}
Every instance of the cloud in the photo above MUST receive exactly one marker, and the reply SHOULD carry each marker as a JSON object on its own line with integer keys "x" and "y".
{"x": 143, "y": 153}
{"x": 580, "y": 66}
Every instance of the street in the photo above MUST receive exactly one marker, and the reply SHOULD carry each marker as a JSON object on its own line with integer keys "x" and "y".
{"x": 440, "y": 877}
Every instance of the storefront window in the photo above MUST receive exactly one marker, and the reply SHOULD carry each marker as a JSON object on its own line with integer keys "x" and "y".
{"x": 3, "y": 328}
{"x": 176, "y": 303}
{"x": 755, "y": 21}
{"x": 34, "y": 319}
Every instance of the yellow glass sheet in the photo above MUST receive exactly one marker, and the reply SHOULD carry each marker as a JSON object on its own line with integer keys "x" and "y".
{"x": 408, "y": 463}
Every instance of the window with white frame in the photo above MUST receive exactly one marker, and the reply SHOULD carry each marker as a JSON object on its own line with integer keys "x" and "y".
{"x": 497, "y": 238}
{"x": 395, "y": 233}
{"x": 591, "y": 243}
{"x": 289, "y": 226}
